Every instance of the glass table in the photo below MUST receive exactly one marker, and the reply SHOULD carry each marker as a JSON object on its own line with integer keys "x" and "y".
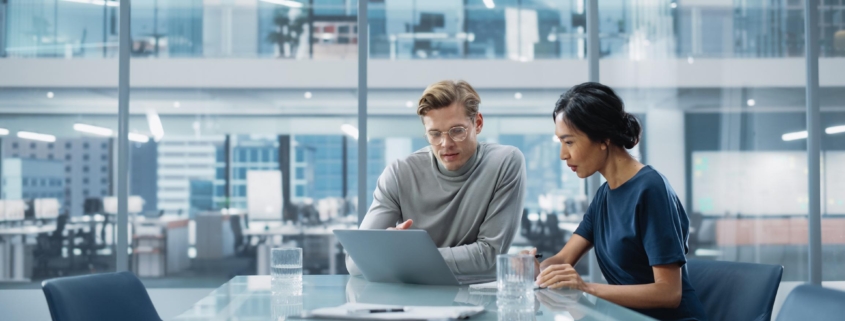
{"x": 250, "y": 298}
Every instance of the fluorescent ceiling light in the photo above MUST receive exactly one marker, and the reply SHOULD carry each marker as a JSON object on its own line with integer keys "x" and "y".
{"x": 349, "y": 130}
{"x": 489, "y": 4}
{"x": 835, "y": 129}
{"x": 803, "y": 134}
{"x": 4, "y": 132}
{"x": 138, "y": 138}
{"x": 96, "y": 130}
{"x": 794, "y": 136}
{"x": 97, "y": 2}
{"x": 37, "y": 136}
{"x": 155, "y": 125}
{"x": 288, "y": 3}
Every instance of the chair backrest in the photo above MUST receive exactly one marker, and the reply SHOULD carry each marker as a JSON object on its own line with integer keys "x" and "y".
{"x": 237, "y": 230}
{"x": 105, "y": 296}
{"x": 735, "y": 290}
{"x": 810, "y": 302}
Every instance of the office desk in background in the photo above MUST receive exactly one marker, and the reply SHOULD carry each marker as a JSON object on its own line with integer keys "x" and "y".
{"x": 281, "y": 231}
{"x": 251, "y": 298}
{"x": 12, "y": 250}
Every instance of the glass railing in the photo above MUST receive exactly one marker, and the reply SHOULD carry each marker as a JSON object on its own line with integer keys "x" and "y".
{"x": 404, "y": 30}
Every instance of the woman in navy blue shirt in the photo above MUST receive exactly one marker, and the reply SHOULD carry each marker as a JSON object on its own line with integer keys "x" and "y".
{"x": 635, "y": 223}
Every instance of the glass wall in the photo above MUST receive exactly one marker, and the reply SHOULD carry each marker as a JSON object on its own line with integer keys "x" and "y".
{"x": 244, "y": 121}
{"x": 243, "y": 155}
{"x": 57, "y": 150}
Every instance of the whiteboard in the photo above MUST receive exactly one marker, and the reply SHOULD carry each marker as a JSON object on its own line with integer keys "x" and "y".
{"x": 749, "y": 183}
{"x": 264, "y": 195}
{"x": 833, "y": 183}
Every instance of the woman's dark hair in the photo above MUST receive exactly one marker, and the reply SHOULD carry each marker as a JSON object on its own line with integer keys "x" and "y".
{"x": 595, "y": 110}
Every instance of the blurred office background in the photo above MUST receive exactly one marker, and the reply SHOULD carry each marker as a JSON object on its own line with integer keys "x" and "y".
{"x": 244, "y": 115}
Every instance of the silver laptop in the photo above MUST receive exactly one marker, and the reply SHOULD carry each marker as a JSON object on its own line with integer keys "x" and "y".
{"x": 408, "y": 256}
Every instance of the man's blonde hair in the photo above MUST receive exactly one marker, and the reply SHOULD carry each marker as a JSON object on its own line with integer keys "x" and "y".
{"x": 444, "y": 93}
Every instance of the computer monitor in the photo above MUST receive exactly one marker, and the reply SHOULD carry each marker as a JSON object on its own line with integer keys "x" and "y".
{"x": 264, "y": 195}
{"x": 13, "y": 210}
{"x": 93, "y": 205}
{"x": 46, "y": 208}
{"x": 136, "y": 204}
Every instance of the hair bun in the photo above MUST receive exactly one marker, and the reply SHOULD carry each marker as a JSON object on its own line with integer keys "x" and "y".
{"x": 632, "y": 131}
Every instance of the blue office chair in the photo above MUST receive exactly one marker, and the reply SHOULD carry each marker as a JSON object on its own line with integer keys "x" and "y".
{"x": 735, "y": 290}
{"x": 106, "y": 296}
{"x": 810, "y": 302}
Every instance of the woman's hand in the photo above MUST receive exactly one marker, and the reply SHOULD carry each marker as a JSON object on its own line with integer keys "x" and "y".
{"x": 561, "y": 276}
{"x": 533, "y": 252}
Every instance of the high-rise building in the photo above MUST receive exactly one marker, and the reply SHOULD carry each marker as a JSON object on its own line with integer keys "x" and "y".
{"x": 25, "y": 179}
{"x": 181, "y": 160}
{"x": 85, "y": 160}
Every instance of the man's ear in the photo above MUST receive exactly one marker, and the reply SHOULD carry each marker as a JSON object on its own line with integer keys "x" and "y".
{"x": 479, "y": 123}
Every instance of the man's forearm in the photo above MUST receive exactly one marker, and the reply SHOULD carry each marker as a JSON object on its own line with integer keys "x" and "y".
{"x": 474, "y": 258}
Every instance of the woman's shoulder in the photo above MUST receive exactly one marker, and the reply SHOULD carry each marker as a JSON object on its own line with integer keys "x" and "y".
{"x": 651, "y": 181}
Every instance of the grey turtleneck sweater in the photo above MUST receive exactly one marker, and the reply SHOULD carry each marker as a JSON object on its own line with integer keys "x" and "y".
{"x": 471, "y": 214}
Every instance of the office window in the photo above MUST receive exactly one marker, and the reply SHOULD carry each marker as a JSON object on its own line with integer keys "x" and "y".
{"x": 49, "y": 156}
{"x": 50, "y": 146}
{"x": 85, "y": 192}
{"x": 67, "y": 181}
{"x": 85, "y": 157}
{"x": 32, "y": 156}
{"x": 32, "y": 145}
{"x": 67, "y": 156}
{"x": 254, "y": 155}
{"x": 104, "y": 180}
{"x": 67, "y": 145}
{"x": 104, "y": 157}
{"x": 85, "y": 169}
{"x": 221, "y": 173}
{"x": 85, "y": 145}
{"x": 67, "y": 169}
{"x": 104, "y": 146}
{"x": 104, "y": 193}
{"x": 300, "y": 173}
{"x": 300, "y": 191}
{"x": 14, "y": 155}
{"x": 43, "y": 182}
{"x": 85, "y": 181}
{"x": 15, "y": 145}
{"x": 104, "y": 169}
{"x": 24, "y": 182}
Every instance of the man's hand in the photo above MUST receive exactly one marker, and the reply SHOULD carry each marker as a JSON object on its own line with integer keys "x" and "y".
{"x": 404, "y": 226}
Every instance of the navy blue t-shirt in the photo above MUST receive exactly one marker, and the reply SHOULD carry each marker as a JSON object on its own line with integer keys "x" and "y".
{"x": 636, "y": 226}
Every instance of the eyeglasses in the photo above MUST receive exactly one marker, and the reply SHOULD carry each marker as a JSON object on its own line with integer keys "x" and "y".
{"x": 457, "y": 133}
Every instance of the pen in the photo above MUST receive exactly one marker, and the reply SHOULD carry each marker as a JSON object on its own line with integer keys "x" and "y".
{"x": 537, "y": 256}
{"x": 378, "y": 310}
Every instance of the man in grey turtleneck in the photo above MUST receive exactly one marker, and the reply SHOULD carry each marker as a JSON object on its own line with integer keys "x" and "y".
{"x": 467, "y": 195}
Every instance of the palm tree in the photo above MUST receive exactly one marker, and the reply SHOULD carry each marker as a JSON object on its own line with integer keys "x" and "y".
{"x": 288, "y": 31}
